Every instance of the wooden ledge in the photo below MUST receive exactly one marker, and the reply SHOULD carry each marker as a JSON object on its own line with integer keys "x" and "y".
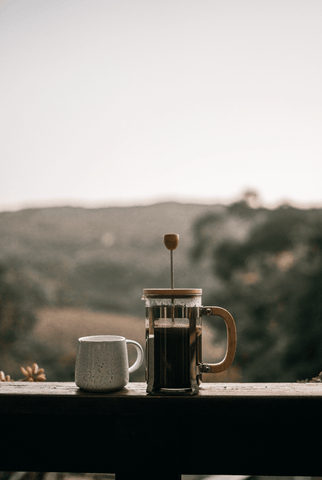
{"x": 233, "y": 398}
{"x": 234, "y": 428}
{"x": 139, "y": 389}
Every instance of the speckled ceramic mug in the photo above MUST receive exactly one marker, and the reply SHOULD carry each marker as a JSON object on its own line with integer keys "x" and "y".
{"x": 102, "y": 362}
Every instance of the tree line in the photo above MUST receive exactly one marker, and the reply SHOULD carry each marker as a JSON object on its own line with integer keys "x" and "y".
{"x": 269, "y": 272}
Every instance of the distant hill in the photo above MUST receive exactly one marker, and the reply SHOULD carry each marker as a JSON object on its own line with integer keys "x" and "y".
{"x": 102, "y": 258}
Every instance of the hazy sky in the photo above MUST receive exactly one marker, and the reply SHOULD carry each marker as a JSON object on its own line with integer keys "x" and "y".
{"x": 133, "y": 101}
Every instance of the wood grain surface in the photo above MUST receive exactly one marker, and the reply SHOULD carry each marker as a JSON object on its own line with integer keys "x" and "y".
{"x": 233, "y": 428}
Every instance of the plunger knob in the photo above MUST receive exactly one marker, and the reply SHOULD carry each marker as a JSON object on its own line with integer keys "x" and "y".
{"x": 171, "y": 240}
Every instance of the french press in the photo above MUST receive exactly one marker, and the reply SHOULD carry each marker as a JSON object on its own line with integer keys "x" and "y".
{"x": 173, "y": 334}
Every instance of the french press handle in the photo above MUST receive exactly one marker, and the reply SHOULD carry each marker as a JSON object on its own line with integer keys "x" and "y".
{"x": 231, "y": 341}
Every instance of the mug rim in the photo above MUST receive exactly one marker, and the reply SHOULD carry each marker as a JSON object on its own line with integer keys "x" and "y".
{"x": 101, "y": 338}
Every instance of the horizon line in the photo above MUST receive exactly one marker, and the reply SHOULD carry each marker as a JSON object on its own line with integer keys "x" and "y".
{"x": 93, "y": 205}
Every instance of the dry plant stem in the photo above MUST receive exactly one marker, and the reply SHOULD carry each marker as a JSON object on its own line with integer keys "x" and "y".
{"x": 32, "y": 374}
{"x": 4, "y": 377}
{"x": 317, "y": 379}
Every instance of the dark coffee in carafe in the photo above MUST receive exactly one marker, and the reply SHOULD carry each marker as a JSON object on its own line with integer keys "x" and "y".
{"x": 172, "y": 356}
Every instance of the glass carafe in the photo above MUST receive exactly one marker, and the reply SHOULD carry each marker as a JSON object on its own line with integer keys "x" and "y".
{"x": 173, "y": 332}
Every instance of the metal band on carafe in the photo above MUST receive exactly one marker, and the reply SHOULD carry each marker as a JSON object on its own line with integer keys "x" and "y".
{"x": 169, "y": 311}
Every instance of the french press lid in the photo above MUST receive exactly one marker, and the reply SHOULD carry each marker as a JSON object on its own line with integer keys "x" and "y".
{"x": 171, "y": 292}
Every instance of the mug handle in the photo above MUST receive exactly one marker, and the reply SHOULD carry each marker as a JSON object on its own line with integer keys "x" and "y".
{"x": 231, "y": 341}
{"x": 139, "y": 358}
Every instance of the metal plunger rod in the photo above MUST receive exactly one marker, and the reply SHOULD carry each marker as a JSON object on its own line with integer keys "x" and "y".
{"x": 171, "y": 241}
{"x": 172, "y": 271}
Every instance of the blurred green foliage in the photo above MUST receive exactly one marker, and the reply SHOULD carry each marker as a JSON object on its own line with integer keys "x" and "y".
{"x": 18, "y": 299}
{"x": 268, "y": 264}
